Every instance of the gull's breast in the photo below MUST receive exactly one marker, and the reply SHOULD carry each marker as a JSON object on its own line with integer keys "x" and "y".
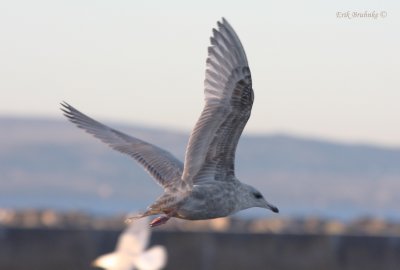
{"x": 209, "y": 201}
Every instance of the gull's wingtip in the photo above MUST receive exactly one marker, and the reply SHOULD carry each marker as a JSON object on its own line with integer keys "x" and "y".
{"x": 67, "y": 110}
{"x": 64, "y": 106}
{"x": 224, "y": 21}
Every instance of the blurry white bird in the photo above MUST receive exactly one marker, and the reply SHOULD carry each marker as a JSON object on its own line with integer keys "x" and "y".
{"x": 130, "y": 252}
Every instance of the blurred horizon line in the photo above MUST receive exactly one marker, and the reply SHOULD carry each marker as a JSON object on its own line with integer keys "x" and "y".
{"x": 187, "y": 131}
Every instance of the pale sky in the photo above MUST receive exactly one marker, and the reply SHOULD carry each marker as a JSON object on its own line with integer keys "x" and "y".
{"x": 143, "y": 62}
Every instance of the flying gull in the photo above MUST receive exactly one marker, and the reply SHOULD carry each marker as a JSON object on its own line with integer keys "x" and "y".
{"x": 131, "y": 252}
{"x": 205, "y": 185}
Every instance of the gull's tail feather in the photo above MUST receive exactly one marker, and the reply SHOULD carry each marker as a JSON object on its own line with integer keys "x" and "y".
{"x": 129, "y": 220}
{"x": 149, "y": 212}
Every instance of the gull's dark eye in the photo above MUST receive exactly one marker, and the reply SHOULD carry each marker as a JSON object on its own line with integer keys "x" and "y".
{"x": 257, "y": 195}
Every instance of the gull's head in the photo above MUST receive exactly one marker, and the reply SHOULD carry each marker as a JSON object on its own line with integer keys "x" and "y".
{"x": 251, "y": 197}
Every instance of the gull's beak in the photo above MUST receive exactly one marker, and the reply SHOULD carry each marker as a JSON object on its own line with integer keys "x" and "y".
{"x": 271, "y": 207}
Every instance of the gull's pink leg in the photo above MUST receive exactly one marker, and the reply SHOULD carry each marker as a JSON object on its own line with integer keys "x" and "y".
{"x": 159, "y": 221}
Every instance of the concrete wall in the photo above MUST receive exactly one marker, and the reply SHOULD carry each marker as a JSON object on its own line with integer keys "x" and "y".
{"x": 42, "y": 249}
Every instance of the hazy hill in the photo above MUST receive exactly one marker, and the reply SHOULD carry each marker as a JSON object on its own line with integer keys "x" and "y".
{"x": 49, "y": 163}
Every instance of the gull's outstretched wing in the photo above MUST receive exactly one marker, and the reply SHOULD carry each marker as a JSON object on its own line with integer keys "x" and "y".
{"x": 160, "y": 164}
{"x": 210, "y": 153}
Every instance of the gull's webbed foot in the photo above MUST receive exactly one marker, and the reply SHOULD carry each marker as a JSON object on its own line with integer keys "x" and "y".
{"x": 159, "y": 221}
